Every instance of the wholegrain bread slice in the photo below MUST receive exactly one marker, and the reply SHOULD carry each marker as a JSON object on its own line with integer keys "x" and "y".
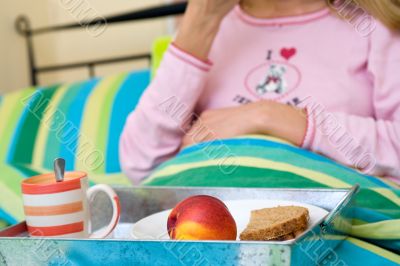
{"x": 289, "y": 236}
{"x": 278, "y": 223}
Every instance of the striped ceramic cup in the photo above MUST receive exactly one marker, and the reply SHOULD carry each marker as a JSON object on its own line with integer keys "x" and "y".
{"x": 62, "y": 209}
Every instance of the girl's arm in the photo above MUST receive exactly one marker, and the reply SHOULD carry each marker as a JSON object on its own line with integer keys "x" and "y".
{"x": 153, "y": 132}
{"x": 369, "y": 143}
{"x": 200, "y": 25}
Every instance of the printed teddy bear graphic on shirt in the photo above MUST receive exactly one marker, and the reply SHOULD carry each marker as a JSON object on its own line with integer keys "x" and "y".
{"x": 276, "y": 77}
{"x": 274, "y": 80}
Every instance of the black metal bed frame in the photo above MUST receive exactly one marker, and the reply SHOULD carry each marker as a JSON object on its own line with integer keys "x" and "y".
{"x": 23, "y": 26}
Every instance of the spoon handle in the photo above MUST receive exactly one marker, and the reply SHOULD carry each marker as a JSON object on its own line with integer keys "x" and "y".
{"x": 59, "y": 169}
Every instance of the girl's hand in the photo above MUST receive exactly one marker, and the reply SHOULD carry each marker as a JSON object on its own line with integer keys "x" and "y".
{"x": 263, "y": 117}
{"x": 200, "y": 25}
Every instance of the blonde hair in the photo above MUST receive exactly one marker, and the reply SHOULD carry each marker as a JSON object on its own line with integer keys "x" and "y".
{"x": 387, "y": 11}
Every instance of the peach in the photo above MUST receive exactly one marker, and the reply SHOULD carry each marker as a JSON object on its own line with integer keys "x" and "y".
{"x": 201, "y": 218}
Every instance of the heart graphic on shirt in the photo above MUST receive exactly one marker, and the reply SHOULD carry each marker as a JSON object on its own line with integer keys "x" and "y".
{"x": 288, "y": 53}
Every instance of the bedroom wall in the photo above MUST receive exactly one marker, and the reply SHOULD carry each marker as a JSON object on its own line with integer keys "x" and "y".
{"x": 74, "y": 45}
{"x": 13, "y": 61}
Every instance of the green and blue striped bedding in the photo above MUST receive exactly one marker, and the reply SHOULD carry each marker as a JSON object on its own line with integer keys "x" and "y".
{"x": 76, "y": 122}
{"x": 259, "y": 161}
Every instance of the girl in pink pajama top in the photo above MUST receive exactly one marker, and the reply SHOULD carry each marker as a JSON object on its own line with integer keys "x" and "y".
{"x": 297, "y": 70}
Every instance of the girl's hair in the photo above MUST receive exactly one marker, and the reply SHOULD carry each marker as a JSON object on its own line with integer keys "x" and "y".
{"x": 387, "y": 11}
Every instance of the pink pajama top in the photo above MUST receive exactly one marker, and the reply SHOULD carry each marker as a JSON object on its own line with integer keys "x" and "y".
{"x": 346, "y": 75}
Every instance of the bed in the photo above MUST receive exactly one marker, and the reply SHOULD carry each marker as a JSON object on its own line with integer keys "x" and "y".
{"x": 261, "y": 161}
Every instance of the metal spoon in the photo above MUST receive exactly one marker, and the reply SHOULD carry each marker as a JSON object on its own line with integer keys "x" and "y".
{"x": 59, "y": 169}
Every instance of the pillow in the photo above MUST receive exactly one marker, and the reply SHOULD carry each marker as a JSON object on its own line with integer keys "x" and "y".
{"x": 160, "y": 46}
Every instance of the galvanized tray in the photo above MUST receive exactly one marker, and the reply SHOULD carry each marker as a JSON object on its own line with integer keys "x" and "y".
{"x": 314, "y": 247}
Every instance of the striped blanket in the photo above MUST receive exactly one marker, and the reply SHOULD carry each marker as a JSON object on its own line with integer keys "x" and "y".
{"x": 258, "y": 161}
{"x": 80, "y": 122}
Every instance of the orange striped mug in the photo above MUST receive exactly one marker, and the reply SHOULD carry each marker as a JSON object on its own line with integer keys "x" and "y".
{"x": 62, "y": 209}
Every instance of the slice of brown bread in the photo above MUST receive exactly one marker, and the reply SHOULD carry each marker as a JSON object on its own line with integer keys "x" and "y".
{"x": 278, "y": 223}
{"x": 289, "y": 236}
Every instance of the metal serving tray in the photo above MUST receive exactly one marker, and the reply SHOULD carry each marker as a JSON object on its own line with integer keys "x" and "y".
{"x": 314, "y": 247}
